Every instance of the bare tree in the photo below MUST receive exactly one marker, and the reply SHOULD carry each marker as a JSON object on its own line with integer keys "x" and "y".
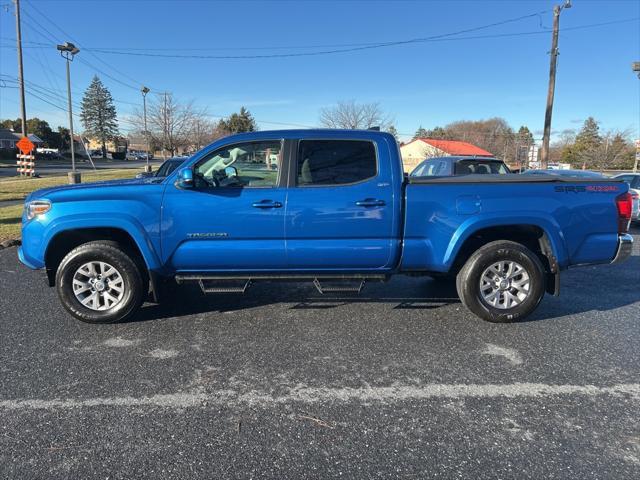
{"x": 352, "y": 115}
{"x": 566, "y": 138}
{"x": 203, "y": 131}
{"x": 170, "y": 122}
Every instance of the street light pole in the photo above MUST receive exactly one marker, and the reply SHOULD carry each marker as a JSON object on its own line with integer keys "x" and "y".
{"x": 144, "y": 91}
{"x": 544, "y": 155}
{"x": 68, "y": 51}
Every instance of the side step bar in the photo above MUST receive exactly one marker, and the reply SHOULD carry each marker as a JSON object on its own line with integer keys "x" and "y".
{"x": 350, "y": 283}
{"x": 213, "y": 287}
{"x": 333, "y": 288}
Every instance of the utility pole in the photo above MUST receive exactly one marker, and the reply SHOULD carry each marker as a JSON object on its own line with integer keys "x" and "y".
{"x": 23, "y": 109}
{"x": 635, "y": 66}
{"x": 544, "y": 156}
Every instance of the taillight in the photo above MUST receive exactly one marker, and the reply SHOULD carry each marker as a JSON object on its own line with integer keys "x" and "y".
{"x": 624, "y": 203}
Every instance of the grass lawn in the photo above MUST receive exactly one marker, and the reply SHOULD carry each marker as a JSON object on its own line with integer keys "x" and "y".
{"x": 19, "y": 188}
{"x": 10, "y": 222}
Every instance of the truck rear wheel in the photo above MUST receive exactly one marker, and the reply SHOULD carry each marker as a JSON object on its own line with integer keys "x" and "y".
{"x": 99, "y": 282}
{"x": 502, "y": 281}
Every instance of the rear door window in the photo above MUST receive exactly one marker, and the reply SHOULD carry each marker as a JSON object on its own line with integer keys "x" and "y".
{"x": 466, "y": 167}
{"x": 335, "y": 162}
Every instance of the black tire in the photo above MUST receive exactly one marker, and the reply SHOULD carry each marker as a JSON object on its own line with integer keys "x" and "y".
{"x": 136, "y": 284}
{"x": 468, "y": 281}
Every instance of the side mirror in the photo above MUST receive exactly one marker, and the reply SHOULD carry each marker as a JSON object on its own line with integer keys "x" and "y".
{"x": 185, "y": 178}
{"x": 231, "y": 172}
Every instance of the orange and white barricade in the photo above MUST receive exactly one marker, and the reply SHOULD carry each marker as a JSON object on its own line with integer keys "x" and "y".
{"x": 26, "y": 165}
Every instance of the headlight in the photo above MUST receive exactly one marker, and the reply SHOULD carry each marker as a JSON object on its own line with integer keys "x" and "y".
{"x": 37, "y": 207}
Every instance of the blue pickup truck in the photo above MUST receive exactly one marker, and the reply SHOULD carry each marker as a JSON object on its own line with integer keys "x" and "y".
{"x": 328, "y": 206}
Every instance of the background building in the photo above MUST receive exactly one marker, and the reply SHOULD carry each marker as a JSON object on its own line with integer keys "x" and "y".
{"x": 420, "y": 148}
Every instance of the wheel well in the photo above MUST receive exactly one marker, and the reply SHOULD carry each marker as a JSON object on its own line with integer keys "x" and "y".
{"x": 531, "y": 236}
{"x": 66, "y": 241}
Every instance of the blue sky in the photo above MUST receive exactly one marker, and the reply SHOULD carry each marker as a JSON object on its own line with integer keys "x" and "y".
{"x": 422, "y": 83}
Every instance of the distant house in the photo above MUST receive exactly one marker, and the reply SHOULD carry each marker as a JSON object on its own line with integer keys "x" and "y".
{"x": 36, "y": 140}
{"x": 9, "y": 138}
{"x": 420, "y": 148}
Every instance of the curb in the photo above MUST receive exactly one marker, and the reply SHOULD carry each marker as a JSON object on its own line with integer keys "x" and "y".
{"x": 10, "y": 243}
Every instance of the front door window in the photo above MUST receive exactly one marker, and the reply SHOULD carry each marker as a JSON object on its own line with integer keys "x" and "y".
{"x": 252, "y": 164}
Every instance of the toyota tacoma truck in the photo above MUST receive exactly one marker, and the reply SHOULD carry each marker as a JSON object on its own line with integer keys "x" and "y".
{"x": 332, "y": 207}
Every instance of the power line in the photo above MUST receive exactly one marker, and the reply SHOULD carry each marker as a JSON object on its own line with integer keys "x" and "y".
{"x": 122, "y": 50}
{"x": 80, "y": 59}
{"x": 434, "y": 39}
{"x": 93, "y": 55}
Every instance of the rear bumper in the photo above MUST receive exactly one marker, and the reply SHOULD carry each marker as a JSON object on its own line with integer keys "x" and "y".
{"x": 625, "y": 245}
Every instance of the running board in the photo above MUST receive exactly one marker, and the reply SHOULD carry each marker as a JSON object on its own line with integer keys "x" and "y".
{"x": 324, "y": 283}
{"x": 213, "y": 286}
{"x": 333, "y": 288}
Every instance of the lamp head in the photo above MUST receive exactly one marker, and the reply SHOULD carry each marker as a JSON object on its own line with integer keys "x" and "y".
{"x": 68, "y": 47}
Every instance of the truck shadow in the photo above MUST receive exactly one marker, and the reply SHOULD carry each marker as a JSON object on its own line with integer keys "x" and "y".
{"x": 596, "y": 288}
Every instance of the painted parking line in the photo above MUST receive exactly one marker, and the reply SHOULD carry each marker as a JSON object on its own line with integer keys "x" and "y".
{"x": 312, "y": 395}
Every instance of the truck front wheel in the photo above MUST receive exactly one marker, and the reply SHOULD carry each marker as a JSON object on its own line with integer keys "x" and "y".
{"x": 501, "y": 282}
{"x": 100, "y": 282}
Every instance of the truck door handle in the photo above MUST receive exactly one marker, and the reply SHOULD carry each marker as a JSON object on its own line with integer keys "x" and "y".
{"x": 267, "y": 204}
{"x": 370, "y": 202}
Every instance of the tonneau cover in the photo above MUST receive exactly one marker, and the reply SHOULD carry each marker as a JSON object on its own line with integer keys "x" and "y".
{"x": 508, "y": 178}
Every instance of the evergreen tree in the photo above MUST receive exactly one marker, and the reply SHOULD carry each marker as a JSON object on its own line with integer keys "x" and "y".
{"x": 238, "y": 122}
{"x": 420, "y": 133}
{"x": 589, "y": 136}
{"x": 438, "y": 133}
{"x": 392, "y": 130}
{"x": 588, "y": 140}
{"x": 524, "y": 136}
{"x": 98, "y": 114}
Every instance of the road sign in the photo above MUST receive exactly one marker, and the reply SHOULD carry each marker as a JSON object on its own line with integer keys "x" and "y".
{"x": 25, "y": 145}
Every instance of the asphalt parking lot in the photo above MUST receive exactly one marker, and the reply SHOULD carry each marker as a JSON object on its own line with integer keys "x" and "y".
{"x": 282, "y": 383}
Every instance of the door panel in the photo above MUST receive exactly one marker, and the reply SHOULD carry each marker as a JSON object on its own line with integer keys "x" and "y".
{"x": 340, "y": 226}
{"x": 222, "y": 230}
{"x": 234, "y": 217}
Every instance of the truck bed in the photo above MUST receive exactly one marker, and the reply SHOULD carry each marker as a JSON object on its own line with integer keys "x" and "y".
{"x": 577, "y": 216}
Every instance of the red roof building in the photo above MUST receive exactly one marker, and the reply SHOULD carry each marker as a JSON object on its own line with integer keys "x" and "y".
{"x": 420, "y": 148}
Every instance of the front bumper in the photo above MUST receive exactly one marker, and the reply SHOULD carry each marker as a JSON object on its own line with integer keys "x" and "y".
{"x": 625, "y": 245}
{"x": 28, "y": 261}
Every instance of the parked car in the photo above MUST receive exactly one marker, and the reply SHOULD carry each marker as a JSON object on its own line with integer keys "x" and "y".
{"x": 633, "y": 179}
{"x": 167, "y": 167}
{"x": 565, "y": 173}
{"x": 448, "y": 166}
{"x": 144, "y": 155}
{"x": 336, "y": 209}
{"x": 131, "y": 156}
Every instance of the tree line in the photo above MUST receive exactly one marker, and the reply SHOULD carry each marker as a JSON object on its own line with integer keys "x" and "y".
{"x": 595, "y": 149}
{"x": 589, "y": 148}
{"x": 174, "y": 126}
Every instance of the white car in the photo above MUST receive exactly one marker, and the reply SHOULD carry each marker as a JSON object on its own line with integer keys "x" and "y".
{"x": 633, "y": 179}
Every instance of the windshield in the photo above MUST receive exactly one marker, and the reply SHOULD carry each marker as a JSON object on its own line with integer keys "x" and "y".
{"x": 167, "y": 167}
{"x": 465, "y": 167}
